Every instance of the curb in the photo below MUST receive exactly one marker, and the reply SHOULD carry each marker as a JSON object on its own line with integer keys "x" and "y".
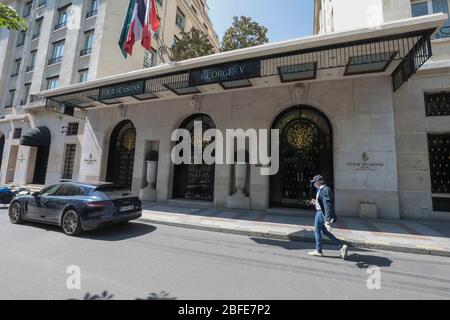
{"x": 293, "y": 237}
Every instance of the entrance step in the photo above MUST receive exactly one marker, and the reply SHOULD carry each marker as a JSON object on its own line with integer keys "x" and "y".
{"x": 292, "y": 212}
{"x": 191, "y": 203}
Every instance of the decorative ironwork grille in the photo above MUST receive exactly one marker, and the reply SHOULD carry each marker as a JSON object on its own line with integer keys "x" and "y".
{"x": 69, "y": 160}
{"x": 17, "y": 133}
{"x": 441, "y": 204}
{"x": 72, "y": 129}
{"x": 437, "y": 104}
{"x": 439, "y": 151}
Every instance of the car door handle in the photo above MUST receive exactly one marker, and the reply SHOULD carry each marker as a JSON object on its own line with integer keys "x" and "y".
{"x": 63, "y": 203}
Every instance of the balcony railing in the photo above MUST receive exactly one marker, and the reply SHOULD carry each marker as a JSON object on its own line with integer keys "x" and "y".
{"x": 8, "y": 106}
{"x": 61, "y": 25}
{"x": 30, "y": 68}
{"x": 85, "y": 51}
{"x": 42, "y": 3}
{"x": 34, "y": 98}
{"x": 91, "y": 14}
{"x": 14, "y": 75}
{"x": 20, "y": 44}
{"x": 55, "y": 60}
{"x": 35, "y": 36}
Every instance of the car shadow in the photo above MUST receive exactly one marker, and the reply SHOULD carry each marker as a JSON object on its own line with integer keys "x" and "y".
{"x": 115, "y": 232}
{"x": 119, "y": 232}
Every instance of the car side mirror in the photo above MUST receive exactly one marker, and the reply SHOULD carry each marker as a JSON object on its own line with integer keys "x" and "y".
{"x": 36, "y": 194}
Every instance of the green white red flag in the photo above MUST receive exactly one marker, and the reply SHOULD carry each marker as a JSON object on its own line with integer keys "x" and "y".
{"x": 141, "y": 22}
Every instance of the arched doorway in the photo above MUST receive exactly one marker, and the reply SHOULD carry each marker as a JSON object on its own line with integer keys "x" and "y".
{"x": 306, "y": 149}
{"x": 194, "y": 181}
{"x": 121, "y": 154}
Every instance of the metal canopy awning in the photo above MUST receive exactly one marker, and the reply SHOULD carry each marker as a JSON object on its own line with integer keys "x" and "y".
{"x": 36, "y": 137}
{"x": 400, "y": 55}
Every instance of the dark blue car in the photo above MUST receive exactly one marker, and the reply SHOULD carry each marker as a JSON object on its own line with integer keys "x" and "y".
{"x": 77, "y": 207}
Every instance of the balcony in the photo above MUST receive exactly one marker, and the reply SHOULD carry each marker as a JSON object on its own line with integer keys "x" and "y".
{"x": 14, "y": 75}
{"x": 61, "y": 25}
{"x": 36, "y": 36}
{"x": 86, "y": 51}
{"x": 55, "y": 60}
{"x": 41, "y": 3}
{"x": 30, "y": 68}
{"x": 8, "y": 106}
{"x": 91, "y": 14}
{"x": 20, "y": 44}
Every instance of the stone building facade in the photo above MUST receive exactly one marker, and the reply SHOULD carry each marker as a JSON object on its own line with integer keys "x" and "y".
{"x": 365, "y": 106}
{"x": 70, "y": 42}
{"x": 318, "y": 89}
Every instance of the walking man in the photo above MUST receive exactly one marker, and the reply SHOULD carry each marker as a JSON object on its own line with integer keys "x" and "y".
{"x": 324, "y": 217}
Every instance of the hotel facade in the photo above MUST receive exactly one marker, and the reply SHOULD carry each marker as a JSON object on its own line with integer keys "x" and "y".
{"x": 364, "y": 102}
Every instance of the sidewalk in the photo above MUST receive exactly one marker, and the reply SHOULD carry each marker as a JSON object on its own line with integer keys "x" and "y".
{"x": 410, "y": 236}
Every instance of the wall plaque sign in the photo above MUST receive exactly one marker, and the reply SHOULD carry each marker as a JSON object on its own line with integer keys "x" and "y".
{"x": 122, "y": 90}
{"x": 90, "y": 160}
{"x": 224, "y": 73}
{"x": 365, "y": 164}
{"x": 22, "y": 158}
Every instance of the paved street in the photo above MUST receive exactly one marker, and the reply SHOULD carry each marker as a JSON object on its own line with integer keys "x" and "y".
{"x": 138, "y": 260}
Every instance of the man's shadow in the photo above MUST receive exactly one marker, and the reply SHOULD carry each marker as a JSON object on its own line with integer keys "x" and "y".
{"x": 355, "y": 254}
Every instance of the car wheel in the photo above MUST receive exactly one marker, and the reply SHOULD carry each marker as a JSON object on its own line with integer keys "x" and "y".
{"x": 71, "y": 223}
{"x": 15, "y": 214}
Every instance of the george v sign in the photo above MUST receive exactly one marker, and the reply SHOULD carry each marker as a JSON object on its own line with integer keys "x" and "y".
{"x": 224, "y": 73}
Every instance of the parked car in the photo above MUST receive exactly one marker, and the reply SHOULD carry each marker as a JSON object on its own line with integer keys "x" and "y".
{"x": 7, "y": 194}
{"x": 77, "y": 207}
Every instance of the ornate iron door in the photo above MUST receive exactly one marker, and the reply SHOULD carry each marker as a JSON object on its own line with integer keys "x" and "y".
{"x": 299, "y": 162}
{"x": 305, "y": 151}
{"x": 126, "y": 157}
{"x": 195, "y": 181}
{"x": 121, "y": 154}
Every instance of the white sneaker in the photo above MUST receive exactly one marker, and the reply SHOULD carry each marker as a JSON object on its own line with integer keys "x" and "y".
{"x": 344, "y": 250}
{"x": 315, "y": 253}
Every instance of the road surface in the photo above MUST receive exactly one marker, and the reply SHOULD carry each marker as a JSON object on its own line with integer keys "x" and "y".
{"x": 140, "y": 261}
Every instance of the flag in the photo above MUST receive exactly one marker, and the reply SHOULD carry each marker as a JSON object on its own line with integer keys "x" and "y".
{"x": 151, "y": 25}
{"x": 126, "y": 27}
{"x": 141, "y": 22}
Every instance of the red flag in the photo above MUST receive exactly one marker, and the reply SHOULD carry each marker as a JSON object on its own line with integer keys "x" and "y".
{"x": 151, "y": 24}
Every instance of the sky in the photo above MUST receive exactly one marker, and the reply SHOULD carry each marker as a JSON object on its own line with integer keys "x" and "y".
{"x": 284, "y": 19}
